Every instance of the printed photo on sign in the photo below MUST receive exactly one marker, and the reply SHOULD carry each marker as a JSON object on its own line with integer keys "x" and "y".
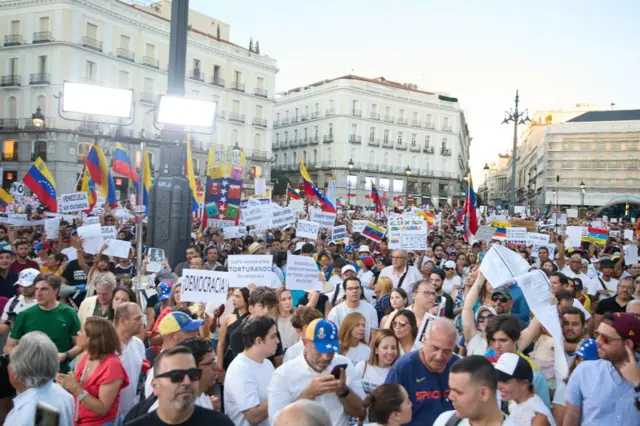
{"x": 156, "y": 257}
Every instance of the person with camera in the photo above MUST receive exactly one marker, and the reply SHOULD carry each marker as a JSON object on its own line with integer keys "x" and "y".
{"x": 17, "y": 304}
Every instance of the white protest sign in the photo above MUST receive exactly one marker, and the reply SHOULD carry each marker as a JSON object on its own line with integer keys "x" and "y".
{"x": 599, "y": 224}
{"x": 614, "y": 234}
{"x": 535, "y": 239}
{"x": 15, "y": 217}
{"x": 156, "y": 256}
{"x": 325, "y": 219}
{"x": 572, "y": 213}
{"x": 221, "y": 224}
{"x": 427, "y": 322}
{"x": 519, "y": 210}
{"x": 296, "y": 205}
{"x": 563, "y": 219}
{"x": 630, "y": 254}
{"x": 118, "y": 248}
{"x": 302, "y": 273}
{"x": 517, "y": 235}
{"x": 51, "y": 228}
{"x": 407, "y": 233}
{"x": 359, "y": 225}
{"x": 252, "y": 216}
{"x": 204, "y": 286}
{"x": 109, "y": 233}
{"x": 628, "y": 234}
{"x": 91, "y": 220}
{"x": 250, "y": 269}
{"x": 484, "y": 233}
{"x": 122, "y": 214}
{"x": 339, "y": 233}
{"x": 307, "y": 229}
{"x": 91, "y": 237}
{"x": 234, "y": 232}
{"x": 73, "y": 202}
{"x": 574, "y": 236}
{"x": 501, "y": 265}
{"x": 282, "y": 217}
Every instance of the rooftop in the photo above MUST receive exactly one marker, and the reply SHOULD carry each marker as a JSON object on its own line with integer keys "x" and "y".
{"x": 613, "y": 115}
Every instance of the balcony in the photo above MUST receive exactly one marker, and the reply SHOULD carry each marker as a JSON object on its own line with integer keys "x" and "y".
{"x": 261, "y": 92}
{"x": 237, "y": 86}
{"x": 295, "y": 119}
{"x": 125, "y": 132}
{"x": 303, "y": 142}
{"x": 328, "y": 139}
{"x": 235, "y": 117}
{"x": 40, "y": 78}
{"x": 374, "y": 116}
{"x": 315, "y": 140}
{"x": 355, "y": 139}
{"x": 416, "y": 123}
{"x": 388, "y": 119}
{"x": 429, "y": 125}
{"x": 356, "y": 112}
{"x": 196, "y": 74}
{"x": 13, "y": 40}
{"x": 446, "y": 128}
{"x": 150, "y": 62}
{"x": 91, "y": 43}
{"x": 329, "y": 112}
{"x": 373, "y": 142}
{"x": 401, "y": 146}
{"x": 10, "y": 156}
{"x": 217, "y": 81}
{"x": 41, "y": 154}
{"x": 304, "y": 117}
{"x": 414, "y": 148}
{"x": 293, "y": 142}
{"x": 10, "y": 81}
{"x": 259, "y": 155}
{"x": 386, "y": 143}
{"x": 42, "y": 37}
{"x": 428, "y": 150}
{"x": 147, "y": 98}
{"x": 125, "y": 54}
{"x": 315, "y": 114}
{"x": 445, "y": 152}
{"x": 9, "y": 123}
{"x": 260, "y": 122}
{"x": 402, "y": 120}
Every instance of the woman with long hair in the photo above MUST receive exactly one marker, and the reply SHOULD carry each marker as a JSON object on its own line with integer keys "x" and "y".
{"x": 288, "y": 334}
{"x": 99, "y": 375}
{"x": 474, "y": 325}
{"x": 398, "y": 300}
{"x": 230, "y": 323}
{"x": 385, "y": 350}
{"x": 122, "y": 295}
{"x": 351, "y": 335}
{"x": 383, "y": 288}
{"x": 405, "y": 328}
{"x": 388, "y": 405}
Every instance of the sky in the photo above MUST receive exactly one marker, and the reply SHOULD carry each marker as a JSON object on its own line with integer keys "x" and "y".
{"x": 556, "y": 53}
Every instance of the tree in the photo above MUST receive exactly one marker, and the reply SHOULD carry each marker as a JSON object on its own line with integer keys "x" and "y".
{"x": 218, "y": 33}
{"x": 251, "y": 44}
{"x": 257, "y": 47}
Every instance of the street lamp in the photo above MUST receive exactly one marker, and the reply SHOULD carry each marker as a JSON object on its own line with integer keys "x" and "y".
{"x": 517, "y": 117}
{"x": 486, "y": 187}
{"x": 350, "y": 167}
{"x": 582, "y": 192}
{"x": 236, "y": 147}
{"x": 37, "y": 120}
{"x": 407, "y": 172}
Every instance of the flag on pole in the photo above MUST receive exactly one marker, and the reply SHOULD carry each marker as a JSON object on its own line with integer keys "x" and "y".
{"x": 312, "y": 191}
{"x": 41, "y": 183}
{"x": 145, "y": 172}
{"x": 5, "y": 199}
{"x": 89, "y": 187}
{"x": 292, "y": 193}
{"x": 470, "y": 224}
{"x": 101, "y": 174}
{"x": 376, "y": 199}
{"x": 191, "y": 176}
{"x": 122, "y": 163}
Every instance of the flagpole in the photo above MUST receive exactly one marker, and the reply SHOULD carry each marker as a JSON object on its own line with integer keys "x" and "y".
{"x": 139, "y": 210}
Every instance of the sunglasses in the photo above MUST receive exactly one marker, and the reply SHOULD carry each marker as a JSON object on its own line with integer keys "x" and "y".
{"x": 605, "y": 339}
{"x": 484, "y": 318}
{"x": 177, "y": 376}
{"x": 399, "y": 324}
{"x": 500, "y": 299}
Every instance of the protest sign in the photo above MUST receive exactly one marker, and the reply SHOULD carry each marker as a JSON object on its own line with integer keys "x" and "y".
{"x": 535, "y": 239}
{"x": 250, "y": 269}
{"x": 407, "y": 233}
{"x": 234, "y": 232}
{"x": 484, "y": 233}
{"x": 359, "y": 225}
{"x": 212, "y": 210}
{"x": 628, "y": 234}
{"x": 325, "y": 219}
{"x": 91, "y": 220}
{"x": 204, "y": 286}
{"x": 296, "y": 205}
{"x": 307, "y": 229}
{"x": 302, "y": 273}
{"x": 501, "y": 265}
{"x": 260, "y": 186}
{"x": 427, "y": 321}
{"x": 614, "y": 234}
{"x": 252, "y": 216}
{"x": 92, "y": 238}
{"x": 51, "y": 228}
{"x": 339, "y": 233}
{"x": 282, "y": 217}
{"x": 156, "y": 256}
{"x": 517, "y": 235}
{"x": 519, "y": 223}
{"x": 220, "y": 223}
{"x": 572, "y": 213}
{"x": 73, "y": 202}
{"x": 574, "y": 236}
{"x": 630, "y": 254}
{"x": 109, "y": 233}
{"x": 118, "y": 248}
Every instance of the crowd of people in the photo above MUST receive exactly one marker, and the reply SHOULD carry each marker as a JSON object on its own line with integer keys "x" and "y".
{"x": 396, "y": 337}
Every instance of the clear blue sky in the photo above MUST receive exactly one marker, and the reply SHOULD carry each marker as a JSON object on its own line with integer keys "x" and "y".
{"x": 557, "y": 52}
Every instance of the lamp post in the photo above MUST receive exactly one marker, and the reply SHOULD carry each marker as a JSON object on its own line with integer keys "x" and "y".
{"x": 582, "y": 192}
{"x": 350, "y": 167}
{"x": 407, "y": 172}
{"x": 486, "y": 187}
{"x": 517, "y": 117}
{"x": 37, "y": 120}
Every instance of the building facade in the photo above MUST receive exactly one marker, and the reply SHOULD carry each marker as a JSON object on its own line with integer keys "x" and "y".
{"x": 123, "y": 45}
{"x": 411, "y": 143}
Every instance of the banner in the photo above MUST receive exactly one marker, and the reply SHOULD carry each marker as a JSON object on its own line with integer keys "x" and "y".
{"x": 224, "y": 183}
{"x": 307, "y": 229}
{"x": 484, "y": 233}
{"x": 517, "y": 235}
{"x": 407, "y": 233}
{"x": 204, "y": 286}
{"x": 302, "y": 273}
{"x": 251, "y": 269}
{"x": 359, "y": 225}
{"x": 531, "y": 225}
{"x": 325, "y": 219}
{"x": 73, "y": 202}
{"x": 339, "y": 233}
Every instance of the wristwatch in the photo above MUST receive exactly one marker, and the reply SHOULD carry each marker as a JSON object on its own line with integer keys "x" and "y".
{"x": 344, "y": 394}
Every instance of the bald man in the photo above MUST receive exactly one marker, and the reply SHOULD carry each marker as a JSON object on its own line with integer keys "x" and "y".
{"x": 303, "y": 413}
{"x": 425, "y": 373}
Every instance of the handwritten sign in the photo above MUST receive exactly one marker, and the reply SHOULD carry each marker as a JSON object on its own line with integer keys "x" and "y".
{"x": 339, "y": 233}
{"x": 282, "y": 217}
{"x": 118, "y": 248}
{"x": 359, "y": 225}
{"x": 252, "y": 216}
{"x": 325, "y": 219}
{"x": 73, "y": 202}
{"x": 250, "y": 269}
{"x": 205, "y": 286}
{"x": 517, "y": 235}
{"x": 407, "y": 233}
{"x": 302, "y": 273}
{"x": 485, "y": 233}
{"x": 307, "y": 229}
{"x": 109, "y": 233}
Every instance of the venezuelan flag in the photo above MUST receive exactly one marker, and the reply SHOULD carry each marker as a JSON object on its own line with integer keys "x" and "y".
{"x": 191, "y": 176}
{"x": 598, "y": 236}
{"x": 101, "y": 174}
{"x": 312, "y": 191}
{"x": 41, "y": 183}
{"x": 90, "y": 188}
{"x": 5, "y": 199}
{"x": 122, "y": 163}
{"x": 374, "y": 232}
{"x": 376, "y": 198}
{"x": 146, "y": 179}
{"x": 293, "y": 194}
{"x": 500, "y": 234}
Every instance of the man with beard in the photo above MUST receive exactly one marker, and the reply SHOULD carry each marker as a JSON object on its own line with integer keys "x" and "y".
{"x": 605, "y": 391}
{"x": 22, "y": 260}
{"x": 436, "y": 277}
{"x": 617, "y": 303}
{"x": 175, "y": 383}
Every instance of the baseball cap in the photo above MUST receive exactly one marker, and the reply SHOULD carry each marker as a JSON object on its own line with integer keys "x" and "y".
{"x": 324, "y": 335}
{"x": 346, "y": 268}
{"x": 26, "y": 277}
{"x": 298, "y": 246}
{"x": 450, "y": 264}
{"x": 254, "y": 247}
{"x": 164, "y": 290}
{"x": 38, "y": 246}
{"x": 349, "y": 249}
{"x": 368, "y": 261}
{"x": 481, "y": 309}
{"x": 513, "y": 366}
{"x": 627, "y": 325}
{"x": 177, "y": 321}
{"x": 504, "y": 290}
{"x": 364, "y": 249}
{"x": 588, "y": 350}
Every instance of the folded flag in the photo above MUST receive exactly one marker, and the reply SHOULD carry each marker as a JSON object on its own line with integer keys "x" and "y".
{"x": 374, "y": 232}
{"x": 122, "y": 163}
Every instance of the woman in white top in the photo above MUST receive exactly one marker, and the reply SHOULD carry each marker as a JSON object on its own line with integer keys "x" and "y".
{"x": 385, "y": 352}
{"x": 474, "y": 326}
{"x": 388, "y": 405}
{"x": 452, "y": 280}
{"x": 405, "y": 328}
{"x": 398, "y": 300}
{"x": 288, "y": 334}
{"x": 351, "y": 335}
{"x": 515, "y": 382}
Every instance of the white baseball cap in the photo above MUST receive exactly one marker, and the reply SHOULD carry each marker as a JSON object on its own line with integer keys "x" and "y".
{"x": 364, "y": 249}
{"x": 26, "y": 277}
{"x": 346, "y": 268}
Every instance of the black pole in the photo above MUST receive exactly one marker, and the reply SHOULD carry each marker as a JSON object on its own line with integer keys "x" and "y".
{"x": 178, "y": 47}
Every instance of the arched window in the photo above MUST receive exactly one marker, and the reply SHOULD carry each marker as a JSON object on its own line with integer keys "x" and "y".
{"x": 12, "y": 107}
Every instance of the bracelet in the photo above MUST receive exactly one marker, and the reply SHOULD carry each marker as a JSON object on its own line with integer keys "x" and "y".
{"x": 82, "y": 395}
{"x": 67, "y": 356}
{"x": 344, "y": 394}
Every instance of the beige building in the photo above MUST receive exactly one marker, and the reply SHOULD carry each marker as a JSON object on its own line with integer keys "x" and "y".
{"x": 126, "y": 45}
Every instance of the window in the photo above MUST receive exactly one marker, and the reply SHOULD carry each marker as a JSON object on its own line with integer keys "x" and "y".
{"x": 278, "y": 117}
{"x": 372, "y": 157}
{"x": 235, "y": 107}
{"x": 13, "y": 66}
{"x": 306, "y": 110}
{"x": 328, "y": 151}
{"x": 386, "y": 135}
{"x": 257, "y": 142}
{"x": 196, "y": 64}
{"x": 125, "y": 42}
{"x": 150, "y": 51}
{"x": 385, "y": 159}
{"x": 315, "y": 132}
{"x": 444, "y": 143}
{"x": 331, "y": 104}
{"x": 413, "y": 139}
{"x": 91, "y": 71}
{"x": 216, "y": 73}
{"x": 148, "y": 85}
{"x": 354, "y": 129}
{"x": 374, "y": 108}
{"x": 92, "y": 31}
{"x": 304, "y": 156}
{"x": 286, "y": 135}
{"x": 10, "y": 150}
{"x": 234, "y": 136}
{"x": 427, "y": 141}
{"x": 315, "y": 155}
{"x": 293, "y": 159}
{"x": 277, "y": 137}
{"x": 123, "y": 79}
{"x": 43, "y": 24}
{"x": 331, "y": 129}
{"x": 445, "y": 121}
{"x": 296, "y": 114}
{"x": 42, "y": 64}
{"x": 353, "y": 153}
{"x": 400, "y": 138}
{"x": 305, "y": 133}
{"x": 372, "y": 133}
{"x": 41, "y": 101}
{"x": 259, "y": 111}
{"x": 387, "y": 111}
{"x": 284, "y": 158}
{"x": 260, "y": 83}
{"x": 238, "y": 76}
{"x": 355, "y": 105}
{"x": 428, "y": 119}
{"x": 83, "y": 151}
{"x": 286, "y": 114}
{"x": 317, "y": 107}
{"x": 401, "y": 113}
{"x": 415, "y": 116}
{"x": 295, "y": 134}
{"x": 12, "y": 107}
{"x": 399, "y": 160}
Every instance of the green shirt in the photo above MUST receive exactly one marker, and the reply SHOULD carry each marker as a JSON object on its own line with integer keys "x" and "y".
{"x": 97, "y": 312}
{"x": 60, "y": 324}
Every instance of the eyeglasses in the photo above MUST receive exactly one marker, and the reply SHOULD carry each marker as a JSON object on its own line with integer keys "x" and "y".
{"x": 177, "y": 376}
{"x": 500, "y": 299}
{"x": 484, "y": 318}
{"x": 428, "y": 293}
{"x": 605, "y": 339}
{"x": 399, "y": 324}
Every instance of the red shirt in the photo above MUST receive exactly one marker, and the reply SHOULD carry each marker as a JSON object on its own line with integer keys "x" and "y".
{"x": 110, "y": 369}
{"x": 18, "y": 267}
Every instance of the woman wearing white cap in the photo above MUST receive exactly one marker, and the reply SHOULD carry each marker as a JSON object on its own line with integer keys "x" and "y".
{"x": 474, "y": 326}
{"x": 452, "y": 280}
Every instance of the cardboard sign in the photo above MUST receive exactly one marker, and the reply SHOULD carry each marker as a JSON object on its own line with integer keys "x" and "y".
{"x": 517, "y": 235}
{"x": 74, "y": 202}
{"x": 252, "y": 216}
{"x": 407, "y": 233}
{"x": 484, "y": 233}
{"x": 307, "y": 229}
{"x": 250, "y": 269}
{"x": 118, "y": 248}
{"x": 325, "y": 219}
{"x": 296, "y": 205}
{"x": 205, "y": 286}
{"x": 359, "y": 225}
{"x": 530, "y": 225}
{"x": 282, "y": 217}
{"x": 302, "y": 273}
{"x": 339, "y": 233}
{"x": 51, "y": 228}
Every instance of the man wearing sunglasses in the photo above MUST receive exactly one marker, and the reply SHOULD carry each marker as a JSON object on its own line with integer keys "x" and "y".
{"x": 176, "y": 382}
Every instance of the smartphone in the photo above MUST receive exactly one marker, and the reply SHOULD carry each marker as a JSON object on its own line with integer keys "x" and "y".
{"x": 336, "y": 370}
{"x": 46, "y": 415}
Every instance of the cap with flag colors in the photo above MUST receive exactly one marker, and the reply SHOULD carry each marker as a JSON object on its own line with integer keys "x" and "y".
{"x": 374, "y": 232}
{"x": 5, "y": 199}
{"x": 101, "y": 174}
{"x": 324, "y": 336}
{"x": 122, "y": 163}
{"x": 89, "y": 187}
{"x": 41, "y": 183}
{"x": 500, "y": 234}
{"x": 312, "y": 191}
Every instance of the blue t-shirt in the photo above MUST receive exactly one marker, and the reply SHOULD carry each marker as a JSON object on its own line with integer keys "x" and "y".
{"x": 428, "y": 392}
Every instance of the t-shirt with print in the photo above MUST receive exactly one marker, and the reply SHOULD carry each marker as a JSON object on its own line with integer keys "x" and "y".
{"x": 73, "y": 274}
{"x": 60, "y": 324}
{"x": 372, "y": 376}
{"x": 444, "y": 418}
{"x": 125, "y": 274}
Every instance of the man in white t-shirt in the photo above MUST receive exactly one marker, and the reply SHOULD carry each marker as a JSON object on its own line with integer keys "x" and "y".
{"x": 128, "y": 321}
{"x": 573, "y": 269}
{"x": 474, "y": 386}
{"x": 337, "y": 293}
{"x": 608, "y": 284}
{"x": 354, "y": 303}
{"x": 398, "y": 269}
{"x": 247, "y": 378}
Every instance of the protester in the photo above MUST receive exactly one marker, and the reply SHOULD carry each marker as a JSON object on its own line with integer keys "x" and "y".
{"x": 401, "y": 274}
{"x": 224, "y": 354}
{"x": 21, "y": 260}
{"x": 398, "y": 300}
{"x": 383, "y": 290}
{"x": 385, "y": 350}
{"x": 285, "y": 313}
{"x": 353, "y": 344}
{"x": 474, "y": 326}
{"x": 388, "y": 405}
{"x": 7, "y": 276}
{"x": 405, "y": 328}
{"x": 618, "y": 302}
{"x": 128, "y": 323}
{"x": 100, "y": 304}
{"x": 304, "y": 412}
{"x": 354, "y": 302}
{"x": 302, "y": 317}
{"x": 17, "y": 304}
